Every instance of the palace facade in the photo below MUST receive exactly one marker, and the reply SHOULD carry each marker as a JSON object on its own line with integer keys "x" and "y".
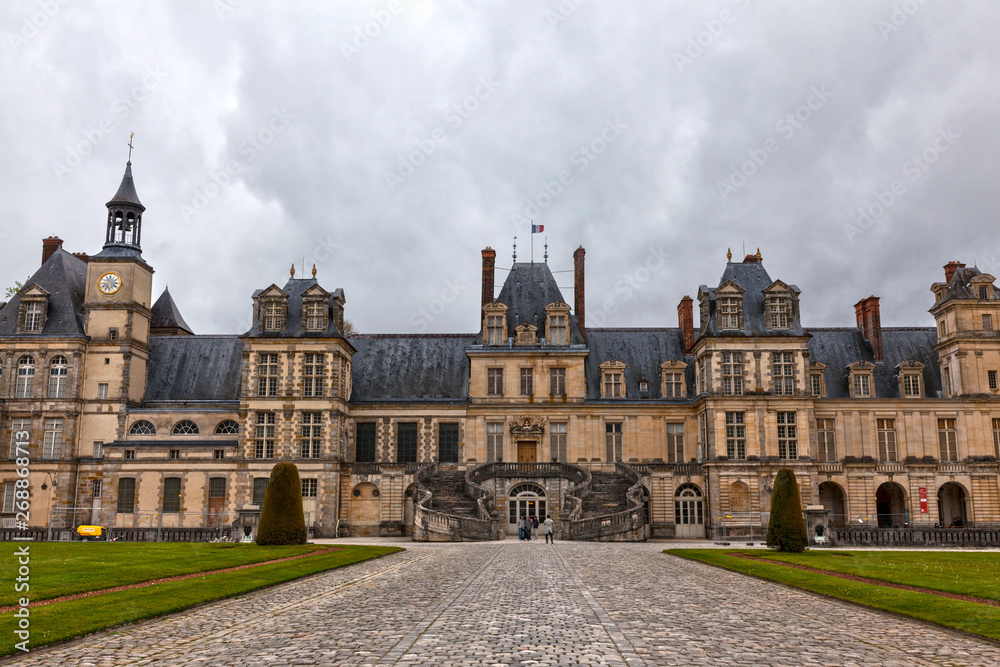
{"x": 132, "y": 420}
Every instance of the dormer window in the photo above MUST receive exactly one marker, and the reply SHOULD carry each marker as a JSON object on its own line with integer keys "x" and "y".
{"x": 314, "y": 315}
{"x": 779, "y": 312}
{"x": 612, "y": 379}
{"x": 34, "y": 306}
{"x": 730, "y": 312}
{"x": 33, "y": 316}
{"x": 526, "y": 334}
{"x": 984, "y": 292}
{"x": 557, "y": 324}
{"x": 495, "y": 324}
{"x": 817, "y": 383}
{"x": 910, "y": 382}
{"x": 274, "y": 315}
{"x": 673, "y": 384}
{"x": 861, "y": 377}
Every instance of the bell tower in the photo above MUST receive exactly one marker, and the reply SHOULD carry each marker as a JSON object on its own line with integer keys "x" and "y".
{"x": 117, "y": 306}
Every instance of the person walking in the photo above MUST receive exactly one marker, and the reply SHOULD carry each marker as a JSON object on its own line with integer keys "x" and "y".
{"x": 548, "y": 530}
{"x": 527, "y": 528}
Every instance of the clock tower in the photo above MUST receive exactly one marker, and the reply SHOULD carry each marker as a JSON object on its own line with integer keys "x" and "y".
{"x": 117, "y": 307}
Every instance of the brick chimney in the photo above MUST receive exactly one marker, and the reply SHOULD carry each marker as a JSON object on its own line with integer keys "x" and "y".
{"x": 685, "y": 320}
{"x": 867, "y": 312}
{"x": 950, "y": 268}
{"x": 49, "y": 247}
{"x": 579, "y": 293}
{"x": 489, "y": 261}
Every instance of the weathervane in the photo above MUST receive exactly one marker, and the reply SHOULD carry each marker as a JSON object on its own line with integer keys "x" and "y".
{"x": 130, "y": 147}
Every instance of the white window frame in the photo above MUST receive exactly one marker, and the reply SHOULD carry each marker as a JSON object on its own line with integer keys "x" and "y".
{"x": 53, "y": 438}
{"x": 732, "y": 373}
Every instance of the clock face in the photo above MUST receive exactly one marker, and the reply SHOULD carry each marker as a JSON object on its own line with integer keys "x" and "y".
{"x": 110, "y": 282}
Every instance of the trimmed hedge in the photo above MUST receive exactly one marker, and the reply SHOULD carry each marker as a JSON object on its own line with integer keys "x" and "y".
{"x": 282, "y": 520}
{"x": 786, "y": 530}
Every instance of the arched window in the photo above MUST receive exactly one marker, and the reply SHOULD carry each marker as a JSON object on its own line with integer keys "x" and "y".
{"x": 57, "y": 377}
{"x": 227, "y": 427}
{"x": 185, "y": 427}
{"x": 688, "y": 508}
{"x": 142, "y": 427}
{"x": 25, "y": 377}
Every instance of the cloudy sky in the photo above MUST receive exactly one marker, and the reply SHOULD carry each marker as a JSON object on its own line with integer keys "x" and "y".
{"x": 855, "y": 143}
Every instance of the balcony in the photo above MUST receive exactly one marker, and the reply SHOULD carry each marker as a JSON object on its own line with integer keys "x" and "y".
{"x": 952, "y": 468}
{"x": 890, "y": 468}
{"x": 831, "y": 467}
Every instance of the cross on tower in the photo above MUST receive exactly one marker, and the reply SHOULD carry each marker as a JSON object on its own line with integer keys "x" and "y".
{"x": 130, "y": 146}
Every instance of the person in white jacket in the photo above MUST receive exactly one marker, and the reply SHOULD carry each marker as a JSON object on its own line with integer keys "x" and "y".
{"x": 547, "y": 529}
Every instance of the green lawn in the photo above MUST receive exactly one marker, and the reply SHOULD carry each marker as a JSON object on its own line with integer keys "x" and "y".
{"x": 967, "y": 573}
{"x": 64, "y": 568}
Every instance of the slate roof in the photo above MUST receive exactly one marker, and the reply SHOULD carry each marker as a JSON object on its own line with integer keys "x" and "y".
{"x": 126, "y": 191}
{"x": 960, "y": 285}
{"x": 165, "y": 315}
{"x": 526, "y": 291}
{"x": 838, "y": 348}
{"x": 411, "y": 367}
{"x": 293, "y": 324}
{"x": 64, "y": 277}
{"x": 642, "y": 351}
{"x": 194, "y": 368}
{"x": 753, "y": 278}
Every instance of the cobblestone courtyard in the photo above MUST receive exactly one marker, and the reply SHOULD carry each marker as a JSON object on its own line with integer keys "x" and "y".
{"x": 517, "y": 603}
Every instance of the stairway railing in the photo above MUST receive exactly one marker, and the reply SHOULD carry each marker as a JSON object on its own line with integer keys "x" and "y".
{"x": 627, "y": 525}
{"x": 430, "y": 525}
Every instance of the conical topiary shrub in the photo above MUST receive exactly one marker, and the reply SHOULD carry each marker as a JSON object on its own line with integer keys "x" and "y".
{"x": 786, "y": 529}
{"x": 282, "y": 520}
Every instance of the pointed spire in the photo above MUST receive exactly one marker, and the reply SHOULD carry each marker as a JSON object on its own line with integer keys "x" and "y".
{"x": 126, "y": 191}
{"x": 165, "y": 318}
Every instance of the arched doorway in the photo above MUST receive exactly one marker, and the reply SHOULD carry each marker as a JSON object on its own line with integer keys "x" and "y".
{"x": 890, "y": 505}
{"x": 365, "y": 510}
{"x": 831, "y": 496}
{"x": 952, "y": 505}
{"x": 689, "y": 512}
{"x": 525, "y": 500}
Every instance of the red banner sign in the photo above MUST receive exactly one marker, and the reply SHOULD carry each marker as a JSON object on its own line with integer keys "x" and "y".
{"x": 923, "y": 500}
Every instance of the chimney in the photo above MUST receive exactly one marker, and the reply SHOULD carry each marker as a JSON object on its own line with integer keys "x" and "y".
{"x": 489, "y": 260}
{"x": 82, "y": 255}
{"x": 579, "y": 293}
{"x": 685, "y": 320}
{"x": 950, "y": 268}
{"x": 867, "y": 312}
{"x": 49, "y": 247}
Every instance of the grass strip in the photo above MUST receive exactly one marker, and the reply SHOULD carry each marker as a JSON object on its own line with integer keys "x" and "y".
{"x": 968, "y": 617}
{"x": 68, "y": 568}
{"x": 62, "y": 621}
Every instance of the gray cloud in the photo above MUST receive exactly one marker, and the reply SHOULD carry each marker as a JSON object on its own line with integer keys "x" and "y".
{"x": 363, "y": 96}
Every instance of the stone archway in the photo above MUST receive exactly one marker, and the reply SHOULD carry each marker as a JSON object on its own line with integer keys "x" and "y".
{"x": 831, "y": 496}
{"x": 525, "y": 499}
{"x": 689, "y": 512}
{"x": 890, "y": 506}
{"x": 952, "y": 505}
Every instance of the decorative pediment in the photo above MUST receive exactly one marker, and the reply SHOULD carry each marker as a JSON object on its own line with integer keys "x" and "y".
{"x": 817, "y": 366}
{"x": 557, "y": 306}
{"x": 674, "y": 366}
{"x": 729, "y": 288}
{"x": 272, "y": 292}
{"x": 613, "y": 366}
{"x": 983, "y": 278}
{"x": 315, "y": 292}
{"x": 34, "y": 290}
{"x": 527, "y": 426}
{"x": 780, "y": 287}
{"x": 861, "y": 366}
{"x": 526, "y": 334}
{"x": 911, "y": 366}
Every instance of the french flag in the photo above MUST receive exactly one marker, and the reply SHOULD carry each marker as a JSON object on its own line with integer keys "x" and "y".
{"x": 537, "y": 229}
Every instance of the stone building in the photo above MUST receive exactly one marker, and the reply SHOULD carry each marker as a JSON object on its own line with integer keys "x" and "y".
{"x": 131, "y": 419}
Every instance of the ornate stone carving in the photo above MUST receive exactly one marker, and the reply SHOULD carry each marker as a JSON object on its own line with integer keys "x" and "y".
{"x": 527, "y": 426}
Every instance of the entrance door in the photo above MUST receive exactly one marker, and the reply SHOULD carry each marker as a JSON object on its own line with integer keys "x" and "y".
{"x": 689, "y": 518}
{"x": 525, "y": 500}
{"x": 216, "y": 500}
{"x": 527, "y": 451}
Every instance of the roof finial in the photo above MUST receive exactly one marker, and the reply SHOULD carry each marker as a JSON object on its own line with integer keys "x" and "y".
{"x": 729, "y": 254}
{"x": 293, "y": 269}
{"x": 130, "y": 147}
{"x": 314, "y": 270}
{"x": 546, "y": 255}
{"x": 515, "y": 249}
{"x": 758, "y": 254}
